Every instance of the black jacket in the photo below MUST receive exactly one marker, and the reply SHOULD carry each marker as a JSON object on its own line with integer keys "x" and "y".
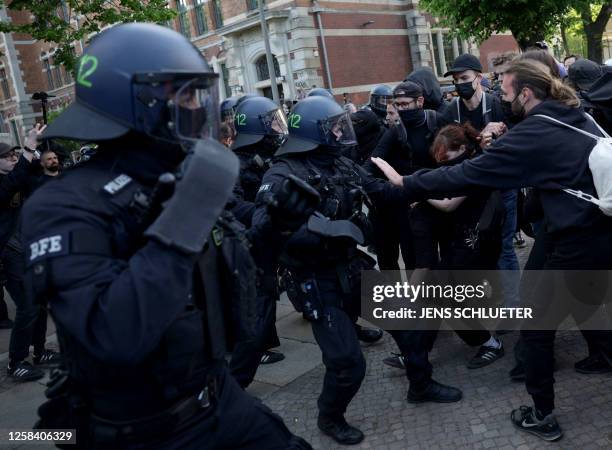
{"x": 536, "y": 153}
{"x": 14, "y": 187}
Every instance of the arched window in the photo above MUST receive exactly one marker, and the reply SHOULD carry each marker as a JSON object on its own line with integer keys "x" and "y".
{"x": 261, "y": 66}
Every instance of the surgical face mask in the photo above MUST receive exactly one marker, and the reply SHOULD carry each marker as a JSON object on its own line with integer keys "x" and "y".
{"x": 412, "y": 117}
{"x": 457, "y": 159}
{"x": 465, "y": 90}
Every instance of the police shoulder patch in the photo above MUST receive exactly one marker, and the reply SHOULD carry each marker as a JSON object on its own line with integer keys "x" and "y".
{"x": 117, "y": 184}
{"x": 265, "y": 187}
{"x": 46, "y": 247}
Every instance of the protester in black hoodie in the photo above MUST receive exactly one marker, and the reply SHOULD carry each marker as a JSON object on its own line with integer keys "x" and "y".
{"x": 427, "y": 79}
{"x": 539, "y": 153}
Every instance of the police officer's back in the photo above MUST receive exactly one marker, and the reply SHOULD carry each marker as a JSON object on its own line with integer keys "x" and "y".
{"x": 133, "y": 288}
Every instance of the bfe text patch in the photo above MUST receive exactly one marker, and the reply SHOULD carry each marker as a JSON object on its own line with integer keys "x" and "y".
{"x": 46, "y": 247}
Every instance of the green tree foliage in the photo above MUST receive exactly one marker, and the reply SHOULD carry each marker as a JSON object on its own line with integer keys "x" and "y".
{"x": 528, "y": 20}
{"x": 63, "y": 22}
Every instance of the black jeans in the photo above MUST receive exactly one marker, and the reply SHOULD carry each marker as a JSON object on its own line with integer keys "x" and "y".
{"x": 3, "y": 307}
{"x": 391, "y": 233}
{"x": 592, "y": 251}
{"x": 30, "y": 326}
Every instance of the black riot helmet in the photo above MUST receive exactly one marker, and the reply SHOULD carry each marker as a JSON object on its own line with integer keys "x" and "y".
{"x": 257, "y": 118}
{"x": 318, "y": 121}
{"x": 320, "y": 92}
{"x": 380, "y": 97}
{"x": 227, "y": 108}
{"x": 145, "y": 79}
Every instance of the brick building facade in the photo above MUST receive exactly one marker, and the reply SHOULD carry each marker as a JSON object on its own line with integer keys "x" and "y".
{"x": 363, "y": 42}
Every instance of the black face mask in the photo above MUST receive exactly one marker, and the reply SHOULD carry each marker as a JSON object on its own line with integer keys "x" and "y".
{"x": 412, "y": 117}
{"x": 457, "y": 160}
{"x": 465, "y": 90}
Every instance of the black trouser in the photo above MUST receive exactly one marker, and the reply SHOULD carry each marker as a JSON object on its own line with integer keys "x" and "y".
{"x": 3, "y": 307}
{"x": 335, "y": 333}
{"x": 392, "y": 232}
{"x": 591, "y": 251}
{"x": 30, "y": 326}
{"x": 235, "y": 421}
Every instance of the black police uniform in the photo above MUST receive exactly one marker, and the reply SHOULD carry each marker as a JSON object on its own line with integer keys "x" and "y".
{"x": 260, "y": 128}
{"x": 136, "y": 289}
{"x": 136, "y": 325}
{"x": 333, "y": 267}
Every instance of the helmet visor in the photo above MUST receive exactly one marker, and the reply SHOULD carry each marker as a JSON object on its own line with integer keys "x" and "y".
{"x": 275, "y": 123}
{"x": 381, "y": 101}
{"x": 195, "y": 114}
{"x": 338, "y": 130}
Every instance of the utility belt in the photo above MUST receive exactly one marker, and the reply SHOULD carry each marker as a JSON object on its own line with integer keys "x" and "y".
{"x": 304, "y": 287}
{"x": 68, "y": 408}
{"x": 143, "y": 429}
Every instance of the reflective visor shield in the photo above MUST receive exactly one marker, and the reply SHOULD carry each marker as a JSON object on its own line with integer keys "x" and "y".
{"x": 195, "y": 111}
{"x": 338, "y": 130}
{"x": 275, "y": 124}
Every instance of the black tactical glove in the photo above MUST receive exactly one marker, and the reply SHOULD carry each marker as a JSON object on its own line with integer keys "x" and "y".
{"x": 291, "y": 202}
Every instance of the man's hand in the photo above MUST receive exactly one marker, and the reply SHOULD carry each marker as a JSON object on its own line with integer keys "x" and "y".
{"x": 33, "y": 136}
{"x": 495, "y": 128}
{"x": 485, "y": 139}
{"x": 291, "y": 202}
{"x": 395, "y": 178}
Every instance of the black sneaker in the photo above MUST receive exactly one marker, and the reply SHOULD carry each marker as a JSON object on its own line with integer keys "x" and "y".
{"x": 271, "y": 357}
{"x": 6, "y": 324}
{"x": 368, "y": 335}
{"x": 485, "y": 356}
{"x": 24, "y": 371}
{"x": 592, "y": 365}
{"x": 339, "y": 430}
{"x": 435, "y": 392}
{"x": 525, "y": 419}
{"x": 47, "y": 358}
{"x": 517, "y": 373}
{"x": 396, "y": 361}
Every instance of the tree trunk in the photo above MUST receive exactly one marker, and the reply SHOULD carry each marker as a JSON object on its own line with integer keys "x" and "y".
{"x": 594, "y": 30}
{"x": 566, "y": 48}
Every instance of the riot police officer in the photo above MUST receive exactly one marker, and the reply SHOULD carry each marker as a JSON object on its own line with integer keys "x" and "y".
{"x": 320, "y": 92}
{"x": 319, "y": 260}
{"x": 261, "y": 127}
{"x": 380, "y": 97}
{"x": 133, "y": 287}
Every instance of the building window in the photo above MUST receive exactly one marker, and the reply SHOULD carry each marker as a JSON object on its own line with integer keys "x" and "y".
{"x": 225, "y": 76}
{"x": 47, "y": 70}
{"x": 261, "y": 67}
{"x": 183, "y": 17}
{"x": 252, "y": 5}
{"x": 57, "y": 75}
{"x": 3, "y": 124}
{"x": 200, "y": 15}
{"x": 15, "y": 131}
{"x": 445, "y": 49}
{"x": 63, "y": 12}
{"x": 217, "y": 13}
{"x": 6, "y": 92}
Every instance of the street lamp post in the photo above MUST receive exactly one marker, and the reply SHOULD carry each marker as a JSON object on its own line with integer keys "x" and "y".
{"x": 269, "y": 58}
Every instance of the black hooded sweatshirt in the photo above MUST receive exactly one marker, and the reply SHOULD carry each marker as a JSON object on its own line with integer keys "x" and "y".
{"x": 537, "y": 153}
{"x": 432, "y": 93}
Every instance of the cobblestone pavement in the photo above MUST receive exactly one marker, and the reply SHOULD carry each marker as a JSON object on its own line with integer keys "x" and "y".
{"x": 480, "y": 420}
